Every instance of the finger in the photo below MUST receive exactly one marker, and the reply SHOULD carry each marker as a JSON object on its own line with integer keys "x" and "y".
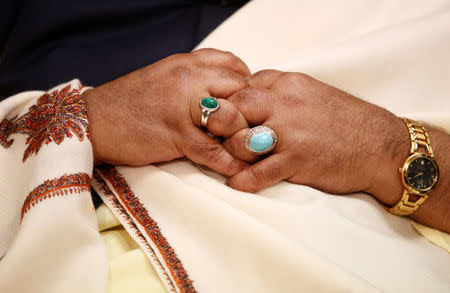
{"x": 203, "y": 150}
{"x": 263, "y": 174}
{"x": 254, "y": 104}
{"x": 217, "y": 58}
{"x": 264, "y": 78}
{"x": 235, "y": 145}
{"x": 222, "y": 82}
{"x": 226, "y": 121}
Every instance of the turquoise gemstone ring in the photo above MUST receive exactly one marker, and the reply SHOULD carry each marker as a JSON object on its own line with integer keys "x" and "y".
{"x": 260, "y": 140}
{"x": 208, "y": 105}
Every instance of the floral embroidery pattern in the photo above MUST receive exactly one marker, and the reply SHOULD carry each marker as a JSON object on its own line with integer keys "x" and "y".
{"x": 64, "y": 185}
{"x": 140, "y": 213}
{"x": 55, "y": 116}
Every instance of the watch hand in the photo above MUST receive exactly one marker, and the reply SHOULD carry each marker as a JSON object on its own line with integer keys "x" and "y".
{"x": 421, "y": 173}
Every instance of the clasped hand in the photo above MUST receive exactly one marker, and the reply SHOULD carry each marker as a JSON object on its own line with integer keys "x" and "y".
{"x": 327, "y": 139}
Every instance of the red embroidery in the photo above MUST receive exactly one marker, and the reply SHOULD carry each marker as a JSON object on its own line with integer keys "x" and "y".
{"x": 131, "y": 224}
{"x": 55, "y": 116}
{"x": 73, "y": 183}
{"x": 140, "y": 213}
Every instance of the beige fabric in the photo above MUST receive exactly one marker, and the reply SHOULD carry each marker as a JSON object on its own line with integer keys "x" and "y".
{"x": 434, "y": 236}
{"x": 291, "y": 238}
{"x": 56, "y": 246}
{"x": 129, "y": 268}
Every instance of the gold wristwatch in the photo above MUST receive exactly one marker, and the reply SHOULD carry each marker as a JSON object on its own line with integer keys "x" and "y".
{"x": 420, "y": 172}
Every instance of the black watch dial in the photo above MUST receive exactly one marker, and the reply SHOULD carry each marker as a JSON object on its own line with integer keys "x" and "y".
{"x": 422, "y": 173}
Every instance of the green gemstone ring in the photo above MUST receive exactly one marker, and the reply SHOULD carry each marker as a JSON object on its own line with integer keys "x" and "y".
{"x": 208, "y": 105}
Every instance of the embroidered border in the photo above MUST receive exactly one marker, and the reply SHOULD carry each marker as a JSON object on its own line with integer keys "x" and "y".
{"x": 151, "y": 228}
{"x": 73, "y": 183}
{"x": 55, "y": 116}
{"x": 131, "y": 224}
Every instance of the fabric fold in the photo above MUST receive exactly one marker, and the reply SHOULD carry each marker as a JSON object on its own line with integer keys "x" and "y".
{"x": 48, "y": 229}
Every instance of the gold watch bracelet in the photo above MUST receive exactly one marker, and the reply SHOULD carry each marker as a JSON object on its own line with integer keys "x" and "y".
{"x": 419, "y": 137}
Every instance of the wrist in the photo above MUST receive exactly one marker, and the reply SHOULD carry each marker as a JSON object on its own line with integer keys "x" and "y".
{"x": 386, "y": 184}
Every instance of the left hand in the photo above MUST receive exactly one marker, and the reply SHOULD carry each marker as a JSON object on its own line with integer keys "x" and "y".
{"x": 153, "y": 114}
{"x": 327, "y": 139}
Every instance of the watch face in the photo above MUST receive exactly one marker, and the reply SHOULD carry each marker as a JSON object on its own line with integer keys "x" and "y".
{"x": 422, "y": 173}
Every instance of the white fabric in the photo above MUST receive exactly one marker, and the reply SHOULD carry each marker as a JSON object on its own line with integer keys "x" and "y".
{"x": 291, "y": 238}
{"x": 56, "y": 246}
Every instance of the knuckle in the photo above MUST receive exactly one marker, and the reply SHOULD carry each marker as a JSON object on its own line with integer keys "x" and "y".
{"x": 273, "y": 171}
{"x": 264, "y": 76}
{"x": 232, "y": 76}
{"x": 179, "y": 58}
{"x": 181, "y": 73}
{"x": 295, "y": 77}
{"x": 204, "y": 50}
{"x": 258, "y": 176}
{"x": 302, "y": 75}
{"x": 245, "y": 95}
{"x": 235, "y": 146}
{"x": 228, "y": 144}
{"x": 214, "y": 152}
{"x": 289, "y": 77}
{"x": 230, "y": 54}
{"x": 305, "y": 78}
{"x": 241, "y": 82}
{"x": 232, "y": 166}
{"x": 202, "y": 54}
{"x": 230, "y": 115}
{"x": 233, "y": 59}
{"x": 268, "y": 72}
{"x": 267, "y": 174}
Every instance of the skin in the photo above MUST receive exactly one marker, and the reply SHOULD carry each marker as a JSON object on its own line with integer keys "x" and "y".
{"x": 331, "y": 141}
{"x": 153, "y": 114}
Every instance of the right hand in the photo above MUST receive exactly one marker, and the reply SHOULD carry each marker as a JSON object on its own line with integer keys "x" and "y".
{"x": 153, "y": 114}
{"x": 327, "y": 138}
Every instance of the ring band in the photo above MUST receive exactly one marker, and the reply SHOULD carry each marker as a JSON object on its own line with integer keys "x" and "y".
{"x": 260, "y": 140}
{"x": 208, "y": 105}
